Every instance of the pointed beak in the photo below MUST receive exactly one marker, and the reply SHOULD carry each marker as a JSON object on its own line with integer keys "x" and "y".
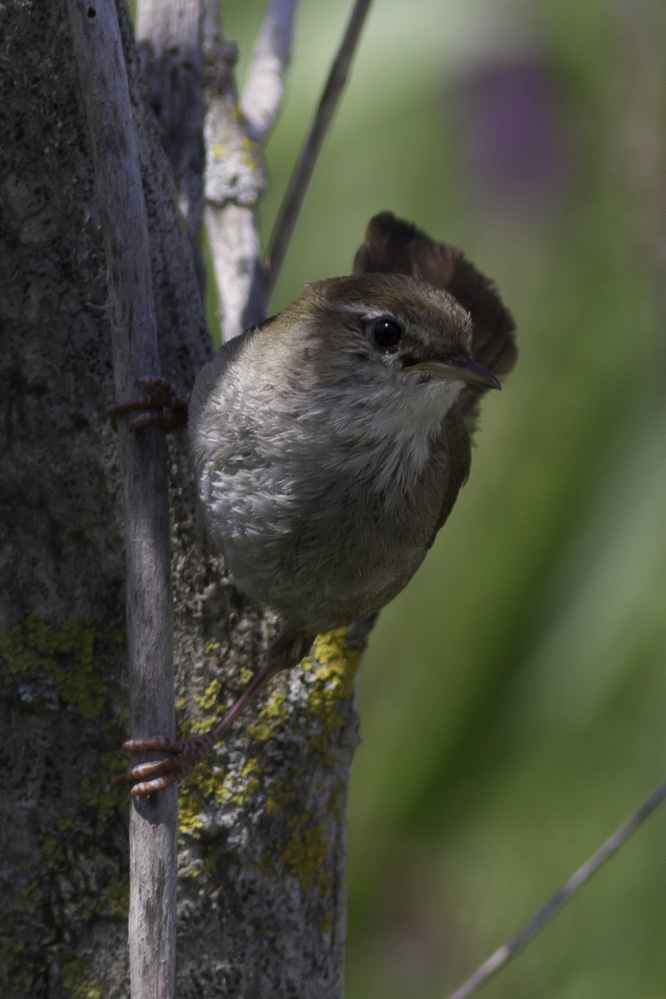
{"x": 458, "y": 368}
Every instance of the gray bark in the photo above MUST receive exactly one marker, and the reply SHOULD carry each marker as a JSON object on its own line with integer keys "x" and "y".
{"x": 261, "y": 867}
{"x": 169, "y": 43}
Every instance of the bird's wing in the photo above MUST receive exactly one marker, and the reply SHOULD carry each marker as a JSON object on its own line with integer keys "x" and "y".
{"x": 459, "y": 462}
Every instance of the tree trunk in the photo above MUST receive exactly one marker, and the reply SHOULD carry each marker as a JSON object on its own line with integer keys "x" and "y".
{"x": 261, "y": 896}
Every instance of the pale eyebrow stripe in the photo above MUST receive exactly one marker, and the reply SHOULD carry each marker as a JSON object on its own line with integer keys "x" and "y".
{"x": 358, "y": 308}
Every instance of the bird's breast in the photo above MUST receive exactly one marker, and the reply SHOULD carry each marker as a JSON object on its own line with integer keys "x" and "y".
{"x": 326, "y": 534}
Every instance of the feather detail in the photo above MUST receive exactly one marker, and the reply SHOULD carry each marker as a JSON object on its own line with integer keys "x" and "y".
{"x": 393, "y": 246}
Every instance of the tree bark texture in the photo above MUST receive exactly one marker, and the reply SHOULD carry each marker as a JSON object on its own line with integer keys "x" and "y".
{"x": 261, "y": 894}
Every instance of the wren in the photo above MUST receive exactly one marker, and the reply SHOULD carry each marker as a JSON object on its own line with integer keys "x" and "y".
{"x": 329, "y": 444}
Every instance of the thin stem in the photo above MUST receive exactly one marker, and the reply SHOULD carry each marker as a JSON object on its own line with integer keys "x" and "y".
{"x": 265, "y": 79}
{"x": 104, "y": 90}
{"x": 302, "y": 175}
{"x": 553, "y": 906}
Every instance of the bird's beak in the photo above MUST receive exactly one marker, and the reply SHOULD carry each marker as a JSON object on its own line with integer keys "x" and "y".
{"x": 458, "y": 368}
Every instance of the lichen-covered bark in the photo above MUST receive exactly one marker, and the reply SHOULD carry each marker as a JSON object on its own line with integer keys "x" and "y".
{"x": 261, "y": 881}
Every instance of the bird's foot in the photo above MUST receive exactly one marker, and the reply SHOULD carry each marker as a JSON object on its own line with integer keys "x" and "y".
{"x": 184, "y": 754}
{"x": 162, "y": 408}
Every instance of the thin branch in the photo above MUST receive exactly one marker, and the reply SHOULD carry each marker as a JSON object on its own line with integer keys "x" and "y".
{"x": 104, "y": 90}
{"x": 552, "y": 907}
{"x": 302, "y": 175}
{"x": 265, "y": 79}
{"x": 235, "y": 182}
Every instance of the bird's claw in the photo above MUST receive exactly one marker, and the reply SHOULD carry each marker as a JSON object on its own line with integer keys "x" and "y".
{"x": 158, "y": 774}
{"x": 162, "y": 408}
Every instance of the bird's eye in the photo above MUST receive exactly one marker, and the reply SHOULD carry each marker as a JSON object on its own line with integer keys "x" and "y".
{"x": 385, "y": 332}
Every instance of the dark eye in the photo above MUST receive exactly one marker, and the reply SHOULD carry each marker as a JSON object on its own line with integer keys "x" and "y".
{"x": 385, "y": 332}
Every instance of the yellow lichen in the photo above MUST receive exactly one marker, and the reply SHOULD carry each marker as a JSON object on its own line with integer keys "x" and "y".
{"x": 250, "y": 767}
{"x": 190, "y": 811}
{"x": 209, "y": 700}
{"x": 339, "y": 663}
{"x": 204, "y": 784}
{"x": 245, "y": 676}
{"x": 212, "y": 857}
{"x": 76, "y": 979}
{"x": 280, "y": 797}
{"x": 336, "y": 801}
{"x": 116, "y": 897}
{"x": 266, "y": 862}
{"x": 65, "y": 654}
{"x": 273, "y": 713}
{"x": 238, "y": 789}
{"x": 335, "y": 667}
{"x": 247, "y": 784}
{"x": 305, "y": 854}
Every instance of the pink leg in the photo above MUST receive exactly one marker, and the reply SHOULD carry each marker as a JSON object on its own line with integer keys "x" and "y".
{"x": 185, "y": 754}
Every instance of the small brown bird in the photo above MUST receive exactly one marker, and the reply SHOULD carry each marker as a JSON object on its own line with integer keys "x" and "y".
{"x": 329, "y": 443}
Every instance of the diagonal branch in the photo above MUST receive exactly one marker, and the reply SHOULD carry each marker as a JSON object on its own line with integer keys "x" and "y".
{"x": 302, "y": 175}
{"x": 265, "y": 80}
{"x": 553, "y": 906}
{"x": 104, "y": 89}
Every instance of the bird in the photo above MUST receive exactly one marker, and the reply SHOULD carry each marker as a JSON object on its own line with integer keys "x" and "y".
{"x": 329, "y": 444}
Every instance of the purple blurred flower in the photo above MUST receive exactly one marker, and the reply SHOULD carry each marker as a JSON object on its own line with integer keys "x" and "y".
{"x": 513, "y": 135}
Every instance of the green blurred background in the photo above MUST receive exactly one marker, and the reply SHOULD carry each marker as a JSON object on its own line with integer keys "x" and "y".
{"x": 512, "y": 698}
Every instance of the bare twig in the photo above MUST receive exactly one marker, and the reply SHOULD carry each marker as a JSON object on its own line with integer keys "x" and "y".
{"x": 302, "y": 175}
{"x": 641, "y": 102}
{"x": 235, "y": 181}
{"x": 104, "y": 89}
{"x": 265, "y": 80}
{"x": 552, "y": 907}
